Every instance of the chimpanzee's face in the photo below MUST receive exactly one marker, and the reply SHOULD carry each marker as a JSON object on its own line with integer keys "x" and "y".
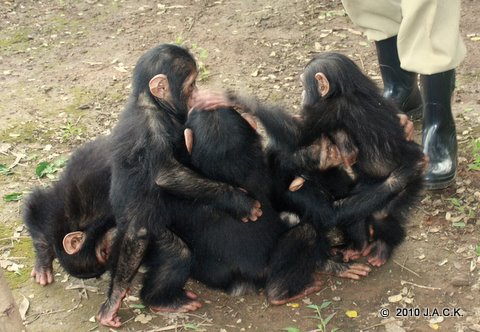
{"x": 302, "y": 82}
{"x": 189, "y": 89}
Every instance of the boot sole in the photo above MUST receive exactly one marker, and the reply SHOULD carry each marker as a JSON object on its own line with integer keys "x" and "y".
{"x": 438, "y": 185}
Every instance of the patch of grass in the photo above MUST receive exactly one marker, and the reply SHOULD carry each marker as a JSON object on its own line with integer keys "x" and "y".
{"x": 23, "y": 247}
{"x": 27, "y": 132}
{"x": 461, "y": 207}
{"x": 4, "y": 170}
{"x": 16, "y": 39}
{"x": 475, "y": 164}
{"x": 71, "y": 131}
{"x": 80, "y": 97}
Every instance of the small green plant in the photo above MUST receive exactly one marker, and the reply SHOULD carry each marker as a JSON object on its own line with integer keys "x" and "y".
{"x": 4, "y": 170}
{"x": 463, "y": 209}
{"x": 323, "y": 322}
{"x": 201, "y": 54}
{"x": 70, "y": 131}
{"x": 47, "y": 169}
{"x": 291, "y": 329}
{"x": 475, "y": 164}
{"x": 193, "y": 327}
{"x": 477, "y": 250}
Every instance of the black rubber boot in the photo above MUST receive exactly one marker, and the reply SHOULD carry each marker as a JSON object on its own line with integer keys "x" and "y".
{"x": 439, "y": 136}
{"x": 398, "y": 84}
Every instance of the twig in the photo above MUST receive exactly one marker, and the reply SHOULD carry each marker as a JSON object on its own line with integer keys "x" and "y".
{"x": 17, "y": 160}
{"x": 406, "y": 268}
{"x": 37, "y": 316}
{"x": 403, "y": 282}
{"x": 93, "y": 328}
{"x": 85, "y": 287}
{"x": 167, "y": 328}
{"x": 361, "y": 61}
{"x": 376, "y": 325}
{"x": 76, "y": 306}
{"x": 78, "y": 120}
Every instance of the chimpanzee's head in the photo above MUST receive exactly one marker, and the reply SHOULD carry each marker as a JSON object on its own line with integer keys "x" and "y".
{"x": 223, "y": 137}
{"x": 331, "y": 74}
{"x": 167, "y": 74}
{"x": 85, "y": 253}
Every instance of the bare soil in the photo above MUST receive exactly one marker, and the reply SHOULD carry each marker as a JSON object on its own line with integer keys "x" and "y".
{"x": 65, "y": 69}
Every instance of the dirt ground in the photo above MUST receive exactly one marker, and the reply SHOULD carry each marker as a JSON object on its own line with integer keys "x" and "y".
{"x": 65, "y": 69}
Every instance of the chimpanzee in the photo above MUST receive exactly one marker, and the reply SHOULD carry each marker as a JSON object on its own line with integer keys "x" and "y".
{"x": 229, "y": 254}
{"x": 73, "y": 219}
{"x": 367, "y": 197}
{"x": 148, "y": 167}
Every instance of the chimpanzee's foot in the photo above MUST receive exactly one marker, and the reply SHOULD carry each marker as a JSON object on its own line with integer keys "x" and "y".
{"x": 315, "y": 286}
{"x": 381, "y": 253}
{"x": 108, "y": 311}
{"x": 189, "y": 304}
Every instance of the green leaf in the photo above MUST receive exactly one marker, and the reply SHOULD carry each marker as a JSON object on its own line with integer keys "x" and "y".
{"x": 43, "y": 169}
{"x": 5, "y": 170}
{"x": 191, "y": 326}
{"x": 460, "y": 224}
{"x": 477, "y": 249}
{"x": 291, "y": 329}
{"x": 137, "y": 306}
{"x": 325, "y": 304}
{"x": 328, "y": 319}
{"x": 455, "y": 201}
{"x": 13, "y": 197}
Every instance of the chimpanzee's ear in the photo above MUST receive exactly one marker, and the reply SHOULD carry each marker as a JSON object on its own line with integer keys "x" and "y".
{"x": 73, "y": 242}
{"x": 251, "y": 121}
{"x": 159, "y": 86}
{"x": 323, "y": 84}
{"x": 296, "y": 184}
{"x": 188, "y": 134}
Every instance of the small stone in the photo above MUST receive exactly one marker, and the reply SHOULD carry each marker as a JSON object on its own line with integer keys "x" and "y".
{"x": 460, "y": 281}
{"x": 395, "y": 298}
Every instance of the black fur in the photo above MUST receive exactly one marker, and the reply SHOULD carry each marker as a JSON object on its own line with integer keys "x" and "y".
{"x": 387, "y": 175}
{"x": 77, "y": 202}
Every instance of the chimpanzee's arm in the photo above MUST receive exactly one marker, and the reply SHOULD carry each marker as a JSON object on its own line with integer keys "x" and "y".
{"x": 280, "y": 126}
{"x": 368, "y": 198}
{"x": 184, "y": 182}
{"x": 313, "y": 205}
{"x": 39, "y": 209}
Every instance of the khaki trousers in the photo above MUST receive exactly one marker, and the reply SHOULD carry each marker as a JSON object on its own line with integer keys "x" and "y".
{"x": 428, "y": 41}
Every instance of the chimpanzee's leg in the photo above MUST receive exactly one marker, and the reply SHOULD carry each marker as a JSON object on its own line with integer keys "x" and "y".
{"x": 169, "y": 262}
{"x": 292, "y": 266}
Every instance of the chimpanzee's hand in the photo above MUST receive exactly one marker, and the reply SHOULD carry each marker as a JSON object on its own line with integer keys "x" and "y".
{"x": 248, "y": 208}
{"x": 43, "y": 274}
{"x": 210, "y": 100}
{"x": 407, "y": 125}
